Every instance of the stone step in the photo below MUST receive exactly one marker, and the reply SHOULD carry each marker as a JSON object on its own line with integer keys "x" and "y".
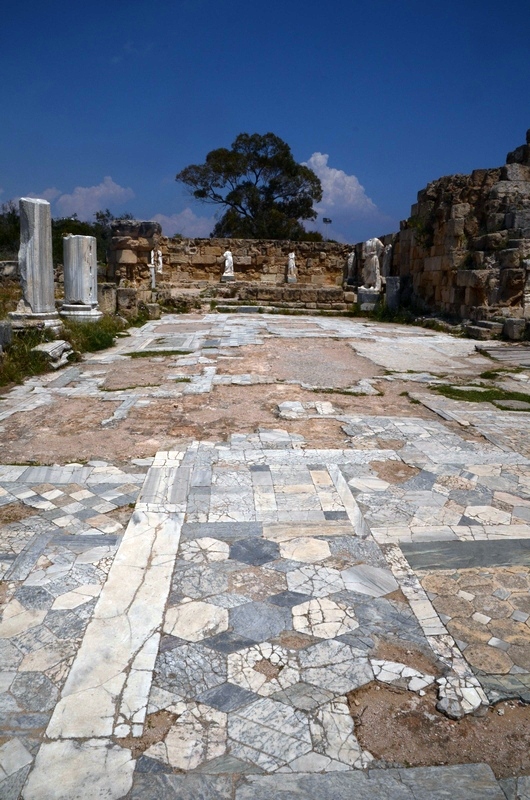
{"x": 483, "y": 329}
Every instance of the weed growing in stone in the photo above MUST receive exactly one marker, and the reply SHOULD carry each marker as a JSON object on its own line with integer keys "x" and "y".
{"x": 20, "y": 361}
{"x": 89, "y": 337}
{"x": 482, "y": 395}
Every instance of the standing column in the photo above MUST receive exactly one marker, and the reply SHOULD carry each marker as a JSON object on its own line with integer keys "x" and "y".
{"x": 37, "y": 306}
{"x": 80, "y": 279}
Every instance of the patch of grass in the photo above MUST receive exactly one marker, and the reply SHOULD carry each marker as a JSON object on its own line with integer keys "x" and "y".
{"x": 490, "y": 395}
{"x": 89, "y": 337}
{"x": 182, "y": 380}
{"x": 155, "y": 353}
{"x": 494, "y": 374}
{"x": 10, "y": 294}
{"x": 19, "y": 361}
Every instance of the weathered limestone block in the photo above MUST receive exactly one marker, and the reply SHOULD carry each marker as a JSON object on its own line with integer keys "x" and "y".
{"x": 125, "y": 257}
{"x": 127, "y": 301}
{"x": 37, "y": 306}
{"x": 107, "y": 298}
{"x": 511, "y": 286}
{"x": 514, "y": 329}
{"x": 393, "y": 289}
{"x": 6, "y": 334}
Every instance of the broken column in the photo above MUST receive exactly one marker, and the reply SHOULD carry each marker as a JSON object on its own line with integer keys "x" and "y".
{"x": 80, "y": 279}
{"x": 37, "y": 306}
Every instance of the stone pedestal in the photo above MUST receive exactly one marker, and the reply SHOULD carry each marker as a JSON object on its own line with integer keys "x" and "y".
{"x": 37, "y": 307}
{"x": 393, "y": 288}
{"x": 291, "y": 279}
{"x": 227, "y": 278}
{"x": 367, "y": 299}
{"x": 80, "y": 279}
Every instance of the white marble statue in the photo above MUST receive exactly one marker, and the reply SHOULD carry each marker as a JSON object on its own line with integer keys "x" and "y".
{"x": 372, "y": 249}
{"x": 229, "y": 265}
{"x": 291, "y": 268}
{"x": 387, "y": 261}
{"x": 351, "y": 266}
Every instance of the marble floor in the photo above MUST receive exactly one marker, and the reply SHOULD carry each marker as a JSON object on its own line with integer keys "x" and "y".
{"x": 190, "y": 625}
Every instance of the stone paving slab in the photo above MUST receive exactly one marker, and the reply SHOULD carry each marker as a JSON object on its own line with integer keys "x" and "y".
{"x": 253, "y": 584}
{"x": 474, "y": 782}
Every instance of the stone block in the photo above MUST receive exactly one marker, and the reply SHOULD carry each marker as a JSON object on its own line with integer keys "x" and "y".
{"x": 204, "y": 260}
{"x": 460, "y": 210}
{"x": 125, "y": 257}
{"x": 393, "y": 289}
{"x": 153, "y": 309}
{"x": 107, "y": 298}
{"x": 515, "y": 172}
{"x": 521, "y": 155}
{"x": 243, "y": 261}
{"x": 127, "y": 301}
{"x": 367, "y": 299}
{"x": 5, "y": 334}
{"x": 514, "y": 329}
{"x": 510, "y": 258}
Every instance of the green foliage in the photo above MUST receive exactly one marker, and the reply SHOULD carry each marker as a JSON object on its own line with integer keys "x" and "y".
{"x": 490, "y": 395}
{"x": 19, "y": 361}
{"x": 89, "y": 337}
{"x": 264, "y": 191}
{"x": 100, "y": 229}
{"x": 61, "y": 227}
{"x": 10, "y": 294}
{"x": 424, "y": 231}
{"x": 9, "y": 231}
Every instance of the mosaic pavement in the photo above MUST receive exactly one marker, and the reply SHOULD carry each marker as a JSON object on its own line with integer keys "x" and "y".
{"x": 191, "y": 626}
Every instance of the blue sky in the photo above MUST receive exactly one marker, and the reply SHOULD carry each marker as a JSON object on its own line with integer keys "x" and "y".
{"x": 104, "y": 102}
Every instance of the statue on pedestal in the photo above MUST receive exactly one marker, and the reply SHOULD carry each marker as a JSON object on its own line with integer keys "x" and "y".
{"x": 291, "y": 268}
{"x": 372, "y": 249}
{"x": 228, "y": 274}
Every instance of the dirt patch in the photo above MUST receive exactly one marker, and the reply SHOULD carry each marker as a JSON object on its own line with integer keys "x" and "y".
{"x": 15, "y": 512}
{"x": 411, "y": 656}
{"x": 137, "y": 372}
{"x": 402, "y": 728}
{"x": 318, "y": 362}
{"x": 393, "y": 471}
{"x": 156, "y": 728}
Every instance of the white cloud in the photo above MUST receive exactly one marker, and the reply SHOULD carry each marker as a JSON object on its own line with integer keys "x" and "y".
{"x": 339, "y": 191}
{"x": 48, "y": 194}
{"x": 187, "y": 223}
{"x": 86, "y": 200}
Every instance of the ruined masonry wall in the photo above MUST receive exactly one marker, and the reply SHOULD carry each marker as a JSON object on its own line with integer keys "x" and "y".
{"x": 192, "y": 261}
{"x": 465, "y": 250}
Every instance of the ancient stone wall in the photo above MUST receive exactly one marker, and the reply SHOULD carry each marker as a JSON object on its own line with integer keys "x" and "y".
{"x": 465, "y": 250}
{"x": 192, "y": 261}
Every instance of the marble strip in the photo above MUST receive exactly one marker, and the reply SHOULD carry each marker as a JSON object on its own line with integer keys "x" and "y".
{"x": 352, "y": 509}
{"x": 127, "y": 616}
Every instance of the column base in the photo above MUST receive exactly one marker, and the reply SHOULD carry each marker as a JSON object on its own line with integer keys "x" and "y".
{"x": 27, "y": 319}
{"x": 80, "y": 313}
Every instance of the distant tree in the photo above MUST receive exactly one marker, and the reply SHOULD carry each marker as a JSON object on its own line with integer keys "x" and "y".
{"x": 9, "y": 231}
{"x": 100, "y": 229}
{"x": 265, "y": 192}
